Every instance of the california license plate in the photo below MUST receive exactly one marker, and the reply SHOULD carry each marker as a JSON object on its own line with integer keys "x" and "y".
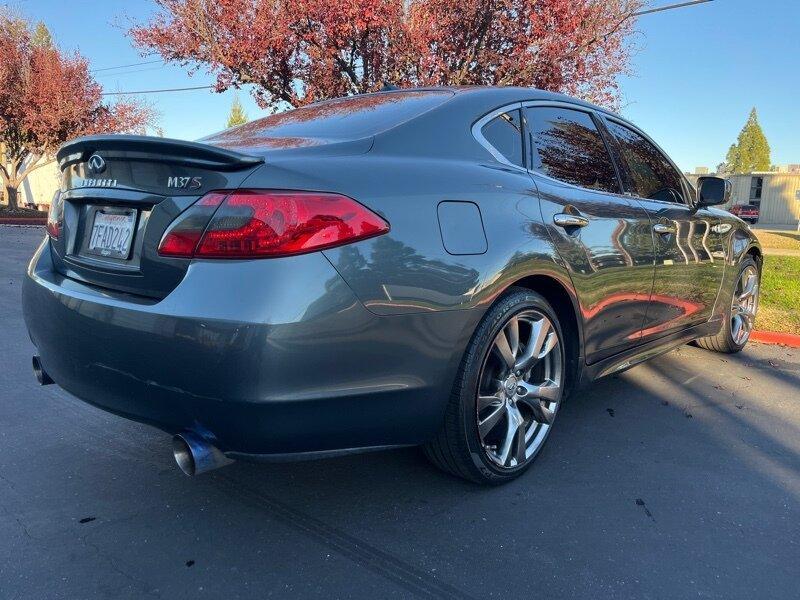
{"x": 112, "y": 233}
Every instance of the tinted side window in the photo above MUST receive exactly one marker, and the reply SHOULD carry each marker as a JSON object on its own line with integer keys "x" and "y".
{"x": 504, "y": 133}
{"x": 651, "y": 174}
{"x": 566, "y": 145}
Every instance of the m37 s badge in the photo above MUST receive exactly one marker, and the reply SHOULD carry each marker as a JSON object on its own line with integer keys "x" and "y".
{"x": 185, "y": 183}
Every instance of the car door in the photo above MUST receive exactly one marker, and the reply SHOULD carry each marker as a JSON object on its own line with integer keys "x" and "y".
{"x": 603, "y": 236}
{"x": 689, "y": 249}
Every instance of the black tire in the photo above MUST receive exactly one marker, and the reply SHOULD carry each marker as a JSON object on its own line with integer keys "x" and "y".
{"x": 723, "y": 342}
{"x": 457, "y": 448}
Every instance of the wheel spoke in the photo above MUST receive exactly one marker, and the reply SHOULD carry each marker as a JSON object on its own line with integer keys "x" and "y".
{"x": 534, "y": 395}
{"x": 748, "y": 290}
{"x": 540, "y": 413}
{"x": 548, "y": 391}
{"x": 550, "y": 343}
{"x": 745, "y": 312}
{"x": 512, "y": 331}
{"x": 485, "y": 402}
{"x": 536, "y": 344}
{"x": 514, "y": 422}
{"x": 520, "y": 444}
{"x": 491, "y": 420}
{"x": 736, "y": 328}
{"x": 503, "y": 348}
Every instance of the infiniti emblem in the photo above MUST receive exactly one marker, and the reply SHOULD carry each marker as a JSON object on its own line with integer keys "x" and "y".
{"x": 96, "y": 164}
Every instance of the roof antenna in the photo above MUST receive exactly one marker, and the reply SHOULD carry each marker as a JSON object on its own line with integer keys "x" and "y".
{"x": 388, "y": 87}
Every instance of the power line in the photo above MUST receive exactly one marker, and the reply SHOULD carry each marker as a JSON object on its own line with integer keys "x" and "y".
{"x": 147, "y": 62}
{"x": 185, "y": 89}
{"x": 206, "y": 87}
{"x": 669, "y": 7}
{"x": 131, "y": 72}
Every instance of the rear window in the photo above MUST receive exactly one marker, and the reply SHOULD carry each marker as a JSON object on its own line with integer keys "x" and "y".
{"x": 343, "y": 118}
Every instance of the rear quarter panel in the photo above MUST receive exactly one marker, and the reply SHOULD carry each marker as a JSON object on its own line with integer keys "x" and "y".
{"x": 409, "y": 270}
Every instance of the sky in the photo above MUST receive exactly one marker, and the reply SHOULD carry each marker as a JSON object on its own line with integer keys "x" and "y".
{"x": 697, "y": 72}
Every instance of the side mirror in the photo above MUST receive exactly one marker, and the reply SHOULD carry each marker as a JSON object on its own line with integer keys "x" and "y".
{"x": 712, "y": 191}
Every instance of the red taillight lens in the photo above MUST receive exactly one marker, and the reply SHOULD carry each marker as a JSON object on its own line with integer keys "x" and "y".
{"x": 267, "y": 223}
{"x": 53, "y": 229}
{"x": 182, "y": 236}
{"x": 55, "y": 217}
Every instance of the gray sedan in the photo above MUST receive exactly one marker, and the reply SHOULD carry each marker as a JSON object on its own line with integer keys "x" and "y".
{"x": 436, "y": 267}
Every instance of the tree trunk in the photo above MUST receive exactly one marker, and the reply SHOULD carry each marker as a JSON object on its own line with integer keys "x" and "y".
{"x": 11, "y": 195}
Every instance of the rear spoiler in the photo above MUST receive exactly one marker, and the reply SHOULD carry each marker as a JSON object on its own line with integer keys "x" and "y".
{"x": 154, "y": 149}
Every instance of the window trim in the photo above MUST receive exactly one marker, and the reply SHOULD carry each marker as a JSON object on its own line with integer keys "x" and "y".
{"x": 622, "y": 122}
{"x": 595, "y": 114}
{"x": 489, "y": 146}
{"x": 478, "y": 135}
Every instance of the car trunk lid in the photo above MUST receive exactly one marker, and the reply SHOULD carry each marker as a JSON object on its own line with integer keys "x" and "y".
{"x": 120, "y": 193}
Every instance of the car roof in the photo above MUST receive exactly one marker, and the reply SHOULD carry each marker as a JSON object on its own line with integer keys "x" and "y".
{"x": 499, "y": 95}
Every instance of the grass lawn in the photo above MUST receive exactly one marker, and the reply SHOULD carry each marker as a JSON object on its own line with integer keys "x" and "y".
{"x": 779, "y": 308}
{"x": 779, "y": 240}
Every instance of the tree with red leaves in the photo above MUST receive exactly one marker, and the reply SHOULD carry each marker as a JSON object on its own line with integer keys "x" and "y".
{"x": 299, "y": 51}
{"x": 47, "y": 98}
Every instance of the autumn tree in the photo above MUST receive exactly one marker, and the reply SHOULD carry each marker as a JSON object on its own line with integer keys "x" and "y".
{"x": 751, "y": 151}
{"x": 237, "y": 115}
{"x": 46, "y": 98}
{"x": 41, "y": 36}
{"x": 299, "y": 51}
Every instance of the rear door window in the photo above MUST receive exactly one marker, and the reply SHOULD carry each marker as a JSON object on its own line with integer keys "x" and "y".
{"x": 649, "y": 172}
{"x": 504, "y": 133}
{"x": 565, "y": 144}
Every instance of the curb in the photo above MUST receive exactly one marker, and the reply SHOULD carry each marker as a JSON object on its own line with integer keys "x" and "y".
{"x": 23, "y": 221}
{"x": 772, "y": 337}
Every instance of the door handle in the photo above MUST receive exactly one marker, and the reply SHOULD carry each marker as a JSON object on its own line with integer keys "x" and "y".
{"x": 663, "y": 229}
{"x": 721, "y": 228}
{"x": 565, "y": 220}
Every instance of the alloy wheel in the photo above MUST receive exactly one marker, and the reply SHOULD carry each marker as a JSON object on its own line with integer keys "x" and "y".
{"x": 519, "y": 389}
{"x": 744, "y": 305}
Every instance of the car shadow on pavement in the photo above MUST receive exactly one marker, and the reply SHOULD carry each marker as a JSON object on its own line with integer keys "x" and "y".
{"x": 654, "y": 483}
{"x": 647, "y": 481}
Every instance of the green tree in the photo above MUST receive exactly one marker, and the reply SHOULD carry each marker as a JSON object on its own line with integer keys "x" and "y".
{"x": 41, "y": 37}
{"x": 237, "y": 116}
{"x": 751, "y": 150}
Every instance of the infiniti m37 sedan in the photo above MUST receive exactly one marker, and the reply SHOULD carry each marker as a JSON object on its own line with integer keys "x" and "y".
{"x": 437, "y": 267}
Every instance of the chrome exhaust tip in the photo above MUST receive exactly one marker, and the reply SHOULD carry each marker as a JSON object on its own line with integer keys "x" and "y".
{"x": 195, "y": 455}
{"x": 38, "y": 370}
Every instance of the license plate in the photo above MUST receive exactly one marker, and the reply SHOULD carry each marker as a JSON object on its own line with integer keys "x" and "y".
{"x": 112, "y": 233}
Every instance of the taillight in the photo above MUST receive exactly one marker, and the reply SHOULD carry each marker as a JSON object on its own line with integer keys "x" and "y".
{"x": 55, "y": 216}
{"x": 269, "y": 223}
{"x": 181, "y": 237}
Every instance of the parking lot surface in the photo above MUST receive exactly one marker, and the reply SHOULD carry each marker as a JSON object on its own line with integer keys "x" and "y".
{"x": 677, "y": 479}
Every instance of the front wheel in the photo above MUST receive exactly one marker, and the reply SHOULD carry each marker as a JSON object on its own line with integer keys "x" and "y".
{"x": 741, "y": 316}
{"x": 507, "y": 392}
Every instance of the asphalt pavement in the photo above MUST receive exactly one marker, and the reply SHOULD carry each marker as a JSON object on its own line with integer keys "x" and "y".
{"x": 677, "y": 479}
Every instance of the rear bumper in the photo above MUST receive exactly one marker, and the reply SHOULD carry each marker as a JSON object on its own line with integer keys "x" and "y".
{"x": 266, "y": 357}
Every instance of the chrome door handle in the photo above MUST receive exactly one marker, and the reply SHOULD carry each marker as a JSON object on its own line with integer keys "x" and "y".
{"x": 565, "y": 220}
{"x": 663, "y": 229}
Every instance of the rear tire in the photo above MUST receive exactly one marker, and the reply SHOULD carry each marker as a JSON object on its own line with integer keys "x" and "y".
{"x": 731, "y": 337}
{"x": 508, "y": 387}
